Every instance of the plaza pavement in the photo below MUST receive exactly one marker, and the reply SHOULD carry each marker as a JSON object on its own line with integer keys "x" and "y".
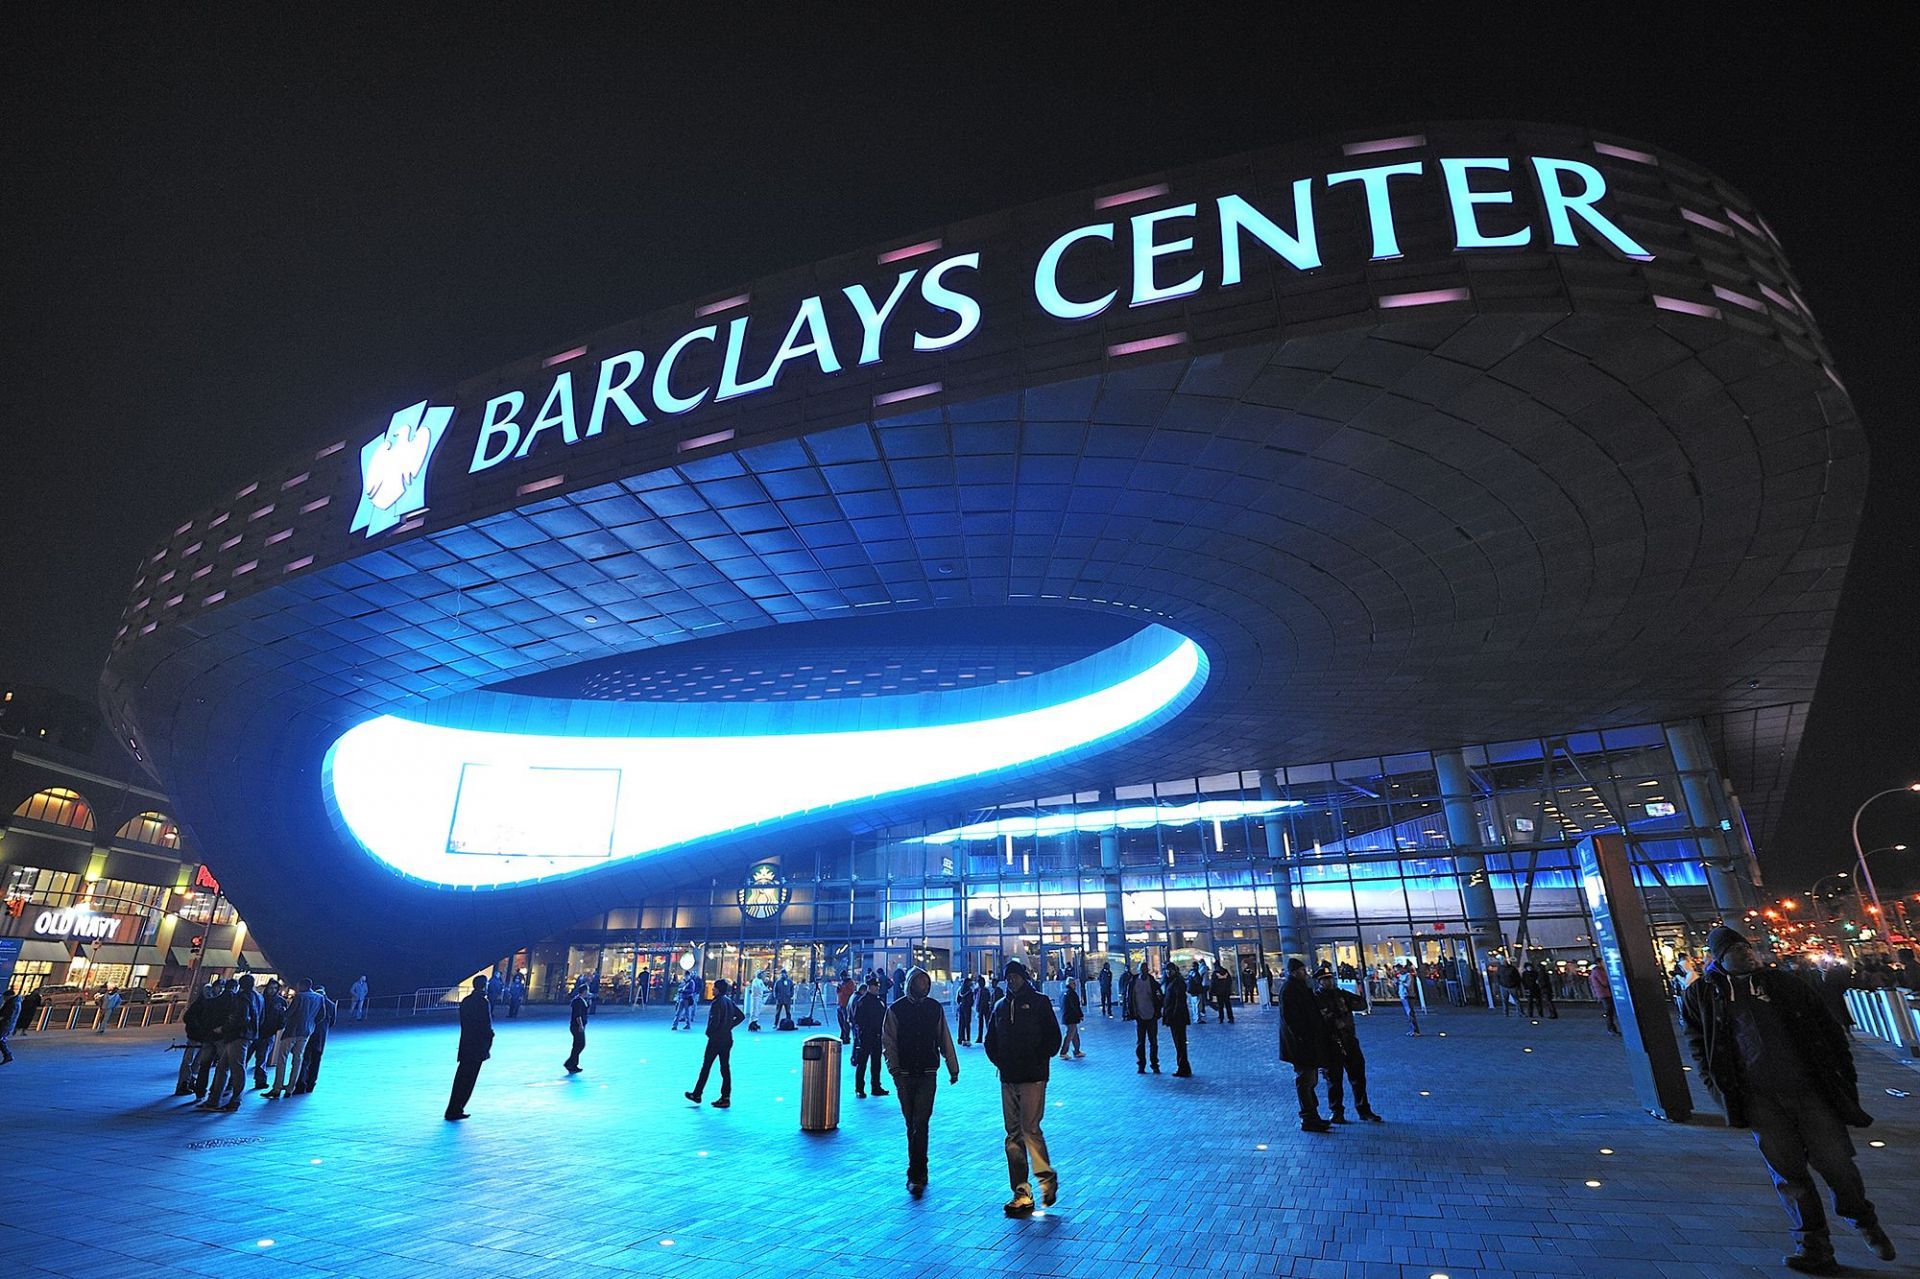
{"x": 1485, "y": 1167}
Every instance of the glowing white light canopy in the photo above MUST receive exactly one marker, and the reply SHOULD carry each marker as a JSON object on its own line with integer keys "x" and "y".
{"x": 1135, "y": 817}
{"x": 574, "y": 786}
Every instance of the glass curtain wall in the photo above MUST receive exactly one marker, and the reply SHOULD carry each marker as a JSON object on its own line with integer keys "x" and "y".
{"x": 1356, "y": 854}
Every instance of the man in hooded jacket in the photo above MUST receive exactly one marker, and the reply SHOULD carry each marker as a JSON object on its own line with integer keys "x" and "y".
{"x": 914, "y": 1037}
{"x": 1777, "y": 1061}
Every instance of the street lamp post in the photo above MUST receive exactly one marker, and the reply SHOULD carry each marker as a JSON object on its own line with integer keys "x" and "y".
{"x": 1879, "y": 914}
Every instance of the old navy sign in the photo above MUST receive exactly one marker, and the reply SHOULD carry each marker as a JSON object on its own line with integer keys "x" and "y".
{"x": 1156, "y": 255}
{"x": 73, "y": 922}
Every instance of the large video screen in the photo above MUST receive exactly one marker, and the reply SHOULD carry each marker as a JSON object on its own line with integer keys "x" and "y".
{"x": 509, "y": 810}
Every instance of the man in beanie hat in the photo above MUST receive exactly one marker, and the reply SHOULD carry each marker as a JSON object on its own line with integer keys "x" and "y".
{"x": 1022, "y": 1037}
{"x": 1774, "y": 1057}
{"x": 915, "y": 1038}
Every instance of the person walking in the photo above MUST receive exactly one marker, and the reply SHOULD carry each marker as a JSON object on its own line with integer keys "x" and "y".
{"x": 1602, "y": 989}
{"x": 1173, "y": 1010}
{"x": 963, "y": 1003}
{"x": 1344, "y": 1057}
{"x": 476, "y": 1045}
{"x": 1022, "y": 1036}
{"x": 358, "y": 993}
{"x": 983, "y": 1005}
{"x": 10, "y": 1017}
{"x": 1195, "y": 988}
{"x": 516, "y": 995}
{"x": 579, "y": 1008}
{"x": 1778, "y": 1063}
{"x": 1145, "y": 1004}
{"x": 1106, "y": 989}
{"x": 684, "y": 1003}
{"x": 1405, "y": 992}
{"x": 722, "y": 1016}
{"x": 1530, "y": 989}
{"x": 1303, "y": 1043}
{"x": 1072, "y": 1013}
{"x": 843, "y": 992}
{"x": 323, "y": 1022}
{"x": 1222, "y": 993}
{"x": 290, "y": 1049}
{"x": 913, "y": 1038}
{"x": 109, "y": 1005}
{"x": 1506, "y": 979}
{"x": 869, "y": 1025}
{"x": 1126, "y": 991}
{"x": 239, "y": 1027}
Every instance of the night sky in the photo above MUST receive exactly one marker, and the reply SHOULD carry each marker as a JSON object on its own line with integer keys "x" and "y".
{"x": 228, "y": 237}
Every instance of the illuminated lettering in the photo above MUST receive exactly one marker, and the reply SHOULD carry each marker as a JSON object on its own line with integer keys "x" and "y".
{"x": 873, "y": 319}
{"x": 615, "y": 393}
{"x": 1559, "y": 204}
{"x": 1046, "y": 276}
{"x": 1301, "y": 249}
{"x": 663, "y": 397}
{"x": 730, "y": 384}
{"x": 1146, "y": 249}
{"x": 1386, "y": 244}
{"x": 1461, "y": 195}
{"x": 960, "y": 304}
{"x": 497, "y": 424}
{"x": 556, "y": 411}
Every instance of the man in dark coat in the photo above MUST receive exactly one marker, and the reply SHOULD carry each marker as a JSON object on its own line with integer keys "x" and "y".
{"x": 1173, "y": 1010}
{"x": 1145, "y": 1004}
{"x": 963, "y": 1003}
{"x": 193, "y": 1058}
{"x": 579, "y": 1008}
{"x": 1022, "y": 1037}
{"x": 1126, "y": 991}
{"x": 722, "y": 1016}
{"x": 914, "y": 1037}
{"x": 476, "y": 1045}
{"x": 1222, "y": 993}
{"x": 239, "y": 1027}
{"x": 1303, "y": 1043}
{"x": 869, "y": 1022}
{"x": 1106, "y": 989}
{"x": 1779, "y": 1063}
{"x": 10, "y": 1017}
{"x": 1337, "y": 1007}
{"x": 317, "y": 1045}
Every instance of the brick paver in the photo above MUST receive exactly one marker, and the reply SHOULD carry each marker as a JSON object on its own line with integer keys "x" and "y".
{"x": 1481, "y": 1169}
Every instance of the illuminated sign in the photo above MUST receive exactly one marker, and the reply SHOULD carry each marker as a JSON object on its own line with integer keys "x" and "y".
{"x": 765, "y": 893}
{"x": 686, "y": 773}
{"x": 77, "y": 922}
{"x": 393, "y": 467}
{"x": 1494, "y": 204}
{"x": 1660, "y": 810}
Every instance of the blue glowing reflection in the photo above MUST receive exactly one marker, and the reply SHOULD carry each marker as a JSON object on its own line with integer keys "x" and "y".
{"x": 548, "y": 788}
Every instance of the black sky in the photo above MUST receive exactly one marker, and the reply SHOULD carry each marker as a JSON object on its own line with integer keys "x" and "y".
{"x": 227, "y": 235}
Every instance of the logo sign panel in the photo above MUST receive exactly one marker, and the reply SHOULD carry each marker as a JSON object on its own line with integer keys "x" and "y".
{"x": 1147, "y": 252}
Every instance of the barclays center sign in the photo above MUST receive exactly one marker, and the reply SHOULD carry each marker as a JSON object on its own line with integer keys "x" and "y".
{"x": 1160, "y": 254}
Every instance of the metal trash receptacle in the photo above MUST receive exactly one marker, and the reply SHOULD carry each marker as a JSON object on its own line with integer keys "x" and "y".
{"x": 820, "y": 1083}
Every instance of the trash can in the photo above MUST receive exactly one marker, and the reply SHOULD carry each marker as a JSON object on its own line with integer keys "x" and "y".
{"x": 820, "y": 1083}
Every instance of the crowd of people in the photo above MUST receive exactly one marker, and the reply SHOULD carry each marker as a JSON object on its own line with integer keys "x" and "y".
{"x": 232, "y": 1028}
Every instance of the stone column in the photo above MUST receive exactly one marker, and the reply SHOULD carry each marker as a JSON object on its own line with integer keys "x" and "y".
{"x": 1463, "y": 831}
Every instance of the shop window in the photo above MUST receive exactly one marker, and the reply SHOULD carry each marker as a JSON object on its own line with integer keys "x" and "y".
{"x": 57, "y": 806}
{"x": 151, "y": 828}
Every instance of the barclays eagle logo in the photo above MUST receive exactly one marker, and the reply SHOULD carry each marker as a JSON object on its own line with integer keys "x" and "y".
{"x": 393, "y": 468}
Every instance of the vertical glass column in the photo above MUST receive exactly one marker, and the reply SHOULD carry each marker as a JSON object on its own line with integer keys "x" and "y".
{"x": 1110, "y": 880}
{"x": 1700, "y": 787}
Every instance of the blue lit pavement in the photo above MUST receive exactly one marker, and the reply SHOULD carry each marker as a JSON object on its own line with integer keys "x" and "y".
{"x": 1486, "y": 1165}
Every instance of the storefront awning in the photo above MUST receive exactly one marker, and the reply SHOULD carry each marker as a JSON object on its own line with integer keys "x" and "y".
{"x": 44, "y": 952}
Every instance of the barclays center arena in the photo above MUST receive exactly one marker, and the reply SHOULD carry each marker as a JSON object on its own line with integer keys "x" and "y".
{"x": 1295, "y": 554}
